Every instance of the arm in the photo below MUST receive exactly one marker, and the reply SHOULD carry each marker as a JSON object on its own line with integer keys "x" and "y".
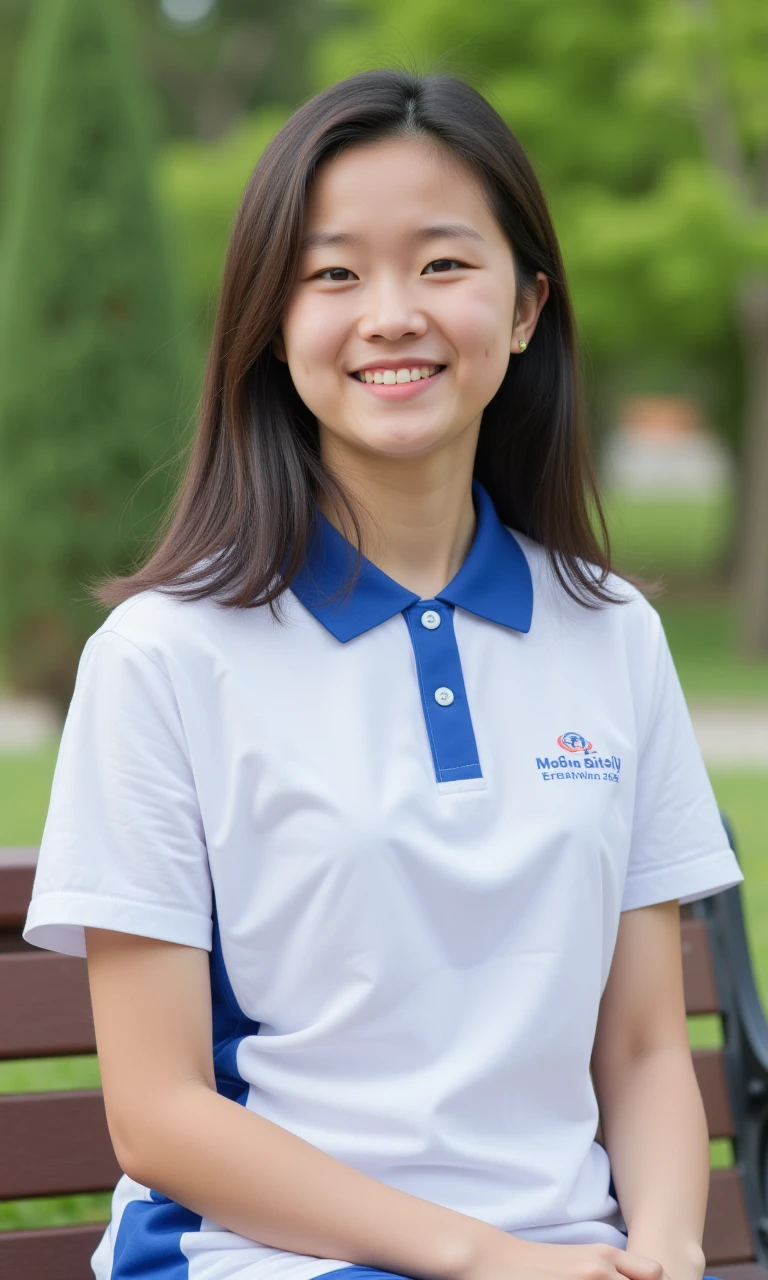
{"x": 652, "y": 1115}
{"x": 172, "y": 1131}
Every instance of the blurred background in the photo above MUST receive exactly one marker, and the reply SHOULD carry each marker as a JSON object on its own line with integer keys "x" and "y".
{"x": 127, "y": 133}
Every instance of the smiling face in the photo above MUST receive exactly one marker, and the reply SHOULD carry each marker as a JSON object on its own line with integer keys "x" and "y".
{"x": 399, "y": 329}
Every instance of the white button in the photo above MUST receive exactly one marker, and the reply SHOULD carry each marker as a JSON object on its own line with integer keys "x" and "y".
{"x": 430, "y": 619}
{"x": 444, "y": 696}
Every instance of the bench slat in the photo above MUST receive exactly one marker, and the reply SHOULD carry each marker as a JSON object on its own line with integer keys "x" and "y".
{"x": 698, "y": 970}
{"x": 53, "y": 1253}
{"x": 55, "y": 1144}
{"x": 727, "y": 1234}
{"x": 17, "y": 873}
{"x": 45, "y": 1005}
{"x": 709, "y": 1065}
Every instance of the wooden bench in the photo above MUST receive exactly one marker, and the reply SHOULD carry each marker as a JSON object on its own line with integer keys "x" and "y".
{"x": 58, "y": 1143}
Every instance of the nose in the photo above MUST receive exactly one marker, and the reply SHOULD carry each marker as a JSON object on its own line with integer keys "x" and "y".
{"x": 390, "y": 312}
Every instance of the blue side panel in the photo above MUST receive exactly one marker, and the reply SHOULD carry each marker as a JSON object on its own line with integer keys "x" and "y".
{"x": 355, "y": 1272}
{"x": 230, "y": 1025}
{"x": 148, "y": 1243}
{"x": 450, "y": 732}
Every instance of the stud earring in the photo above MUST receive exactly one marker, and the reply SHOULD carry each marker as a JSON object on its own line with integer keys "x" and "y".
{"x": 522, "y": 345}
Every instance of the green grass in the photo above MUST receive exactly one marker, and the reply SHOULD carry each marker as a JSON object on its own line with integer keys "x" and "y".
{"x": 43, "y": 1075}
{"x": 677, "y": 537}
{"x": 702, "y": 636}
{"x": 54, "y": 1211}
{"x": 25, "y": 785}
{"x": 744, "y": 798}
{"x": 682, "y": 544}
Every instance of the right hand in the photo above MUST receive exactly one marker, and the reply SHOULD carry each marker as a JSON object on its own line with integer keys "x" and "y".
{"x": 502, "y": 1256}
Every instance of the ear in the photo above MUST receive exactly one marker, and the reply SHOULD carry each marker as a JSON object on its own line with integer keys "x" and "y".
{"x": 278, "y": 346}
{"x": 528, "y": 314}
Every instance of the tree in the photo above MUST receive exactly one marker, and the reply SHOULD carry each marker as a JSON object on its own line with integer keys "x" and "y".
{"x": 246, "y": 54}
{"x": 710, "y": 62}
{"x": 648, "y": 126}
{"x": 91, "y": 336}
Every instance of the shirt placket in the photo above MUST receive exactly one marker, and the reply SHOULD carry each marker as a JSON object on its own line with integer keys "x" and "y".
{"x": 443, "y": 694}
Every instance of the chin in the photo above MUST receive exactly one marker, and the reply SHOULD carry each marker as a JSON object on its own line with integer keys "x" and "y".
{"x": 403, "y": 442}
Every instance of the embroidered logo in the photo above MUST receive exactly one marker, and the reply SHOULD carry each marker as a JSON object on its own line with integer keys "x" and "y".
{"x": 573, "y": 742}
{"x": 590, "y": 767}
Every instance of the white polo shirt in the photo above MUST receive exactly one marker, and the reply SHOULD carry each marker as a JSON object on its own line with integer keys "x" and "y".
{"x": 405, "y": 830}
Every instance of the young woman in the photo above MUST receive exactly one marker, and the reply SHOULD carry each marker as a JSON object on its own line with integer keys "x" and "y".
{"x": 377, "y": 794}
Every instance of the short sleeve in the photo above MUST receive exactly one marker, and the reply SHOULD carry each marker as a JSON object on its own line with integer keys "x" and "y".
{"x": 678, "y": 848}
{"x": 123, "y": 845}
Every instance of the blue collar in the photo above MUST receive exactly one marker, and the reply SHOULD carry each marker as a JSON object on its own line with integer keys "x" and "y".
{"x": 494, "y": 581}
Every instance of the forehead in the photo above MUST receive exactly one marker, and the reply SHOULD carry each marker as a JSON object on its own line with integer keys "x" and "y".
{"x": 394, "y": 184}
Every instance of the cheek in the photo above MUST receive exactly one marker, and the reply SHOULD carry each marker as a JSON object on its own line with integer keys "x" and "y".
{"x": 481, "y": 324}
{"x": 313, "y": 334}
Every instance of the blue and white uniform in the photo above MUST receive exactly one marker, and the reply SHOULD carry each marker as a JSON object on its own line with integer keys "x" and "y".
{"x": 405, "y": 830}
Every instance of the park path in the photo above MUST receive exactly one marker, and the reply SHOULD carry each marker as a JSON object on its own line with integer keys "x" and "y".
{"x": 730, "y": 737}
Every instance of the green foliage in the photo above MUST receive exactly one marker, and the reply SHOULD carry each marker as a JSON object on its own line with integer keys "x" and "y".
{"x": 201, "y": 185}
{"x": 91, "y": 336}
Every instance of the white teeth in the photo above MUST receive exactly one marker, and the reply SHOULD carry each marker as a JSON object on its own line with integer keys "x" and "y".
{"x": 392, "y": 376}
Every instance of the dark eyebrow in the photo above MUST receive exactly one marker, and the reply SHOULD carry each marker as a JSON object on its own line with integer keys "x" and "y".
{"x": 326, "y": 239}
{"x": 447, "y": 230}
{"x": 456, "y": 230}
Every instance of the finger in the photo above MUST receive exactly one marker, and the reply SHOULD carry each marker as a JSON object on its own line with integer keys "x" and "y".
{"x": 637, "y": 1267}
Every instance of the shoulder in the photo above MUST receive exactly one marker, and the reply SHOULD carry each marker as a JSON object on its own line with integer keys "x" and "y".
{"x": 178, "y": 636}
{"x": 153, "y": 623}
{"x": 158, "y": 654}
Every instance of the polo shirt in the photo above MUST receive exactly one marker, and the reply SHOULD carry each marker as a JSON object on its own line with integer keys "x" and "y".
{"x": 405, "y": 830}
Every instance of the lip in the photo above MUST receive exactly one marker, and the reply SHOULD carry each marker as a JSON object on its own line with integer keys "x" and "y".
{"x": 398, "y": 390}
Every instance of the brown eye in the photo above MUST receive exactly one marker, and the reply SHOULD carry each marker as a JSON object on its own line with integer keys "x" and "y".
{"x": 442, "y": 264}
{"x": 337, "y": 274}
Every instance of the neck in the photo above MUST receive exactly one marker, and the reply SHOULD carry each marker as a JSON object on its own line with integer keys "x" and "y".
{"x": 418, "y": 526}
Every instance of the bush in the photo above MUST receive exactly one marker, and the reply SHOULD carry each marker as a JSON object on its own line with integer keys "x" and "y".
{"x": 91, "y": 337}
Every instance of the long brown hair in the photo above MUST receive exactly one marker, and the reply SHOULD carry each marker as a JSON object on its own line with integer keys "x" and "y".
{"x": 238, "y": 526}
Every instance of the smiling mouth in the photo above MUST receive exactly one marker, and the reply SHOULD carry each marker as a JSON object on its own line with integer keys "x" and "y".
{"x": 392, "y": 377}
